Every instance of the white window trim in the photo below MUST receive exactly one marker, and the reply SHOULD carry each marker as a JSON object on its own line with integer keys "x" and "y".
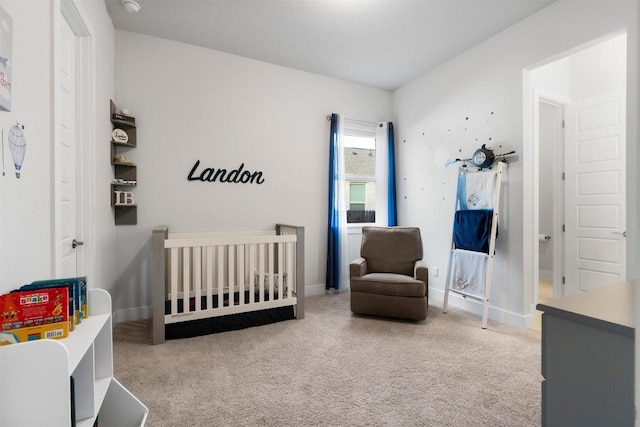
{"x": 377, "y": 131}
{"x": 382, "y": 175}
{"x": 359, "y": 178}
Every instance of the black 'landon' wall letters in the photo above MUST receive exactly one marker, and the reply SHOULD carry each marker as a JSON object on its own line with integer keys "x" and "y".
{"x": 236, "y": 175}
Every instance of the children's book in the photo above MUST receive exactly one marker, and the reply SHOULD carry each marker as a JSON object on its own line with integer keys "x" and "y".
{"x": 75, "y": 294}
{"x": 84, "y": 303}
{"x": 34, "y": 314}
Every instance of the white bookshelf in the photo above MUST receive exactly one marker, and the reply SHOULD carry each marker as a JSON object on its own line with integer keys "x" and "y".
{"x": 35, "y": 377}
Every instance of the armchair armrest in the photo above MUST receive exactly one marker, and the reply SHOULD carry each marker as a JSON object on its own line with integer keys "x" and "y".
{"x": 358, "y": 267}
{"x": 421, "y": 272}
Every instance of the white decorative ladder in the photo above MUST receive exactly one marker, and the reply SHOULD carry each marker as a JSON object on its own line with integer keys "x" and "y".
{"x": 488, "y": 279}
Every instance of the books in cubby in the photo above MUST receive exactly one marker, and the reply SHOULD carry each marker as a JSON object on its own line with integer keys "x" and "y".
{"x": 43, "y": 309}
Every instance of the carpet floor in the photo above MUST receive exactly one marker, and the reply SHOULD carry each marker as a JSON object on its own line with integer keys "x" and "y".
{"x": 334, "y": 368}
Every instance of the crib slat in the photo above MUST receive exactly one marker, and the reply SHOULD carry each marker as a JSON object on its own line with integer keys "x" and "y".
{"x": 241, "y": 275}
{"x": 291, "y": 274}
{"x": 252, "y": 272}
{"x": 270, "y": 272}
{"x": 186, "y": 279}
{"x": 210, "y": 253}
{"x": 261, "y": 272}
{"x": 220, "y": 268}
{"x": 231, "y": 271}
{"x": 174, "y": 280}
{"x": 280, "y": 276}
{"x": 197, "y": 278}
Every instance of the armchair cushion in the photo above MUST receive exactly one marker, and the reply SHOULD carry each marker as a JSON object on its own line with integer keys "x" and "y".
{"x": 391, "y": 249}
{"x": 388, "y": 284}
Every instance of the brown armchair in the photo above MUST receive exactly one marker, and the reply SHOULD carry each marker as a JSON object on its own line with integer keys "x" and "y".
{"x": 390, "y": 279}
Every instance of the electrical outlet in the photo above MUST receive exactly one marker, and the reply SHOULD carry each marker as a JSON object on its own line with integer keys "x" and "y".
{"x": 435, "y": 271}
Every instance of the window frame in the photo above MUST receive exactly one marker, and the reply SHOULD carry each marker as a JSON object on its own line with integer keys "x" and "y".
{"x": 367, "y": 130}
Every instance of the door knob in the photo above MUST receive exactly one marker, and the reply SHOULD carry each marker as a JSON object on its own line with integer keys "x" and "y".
{"x": 76, "y": 243}
{"x": 617, "y": 233}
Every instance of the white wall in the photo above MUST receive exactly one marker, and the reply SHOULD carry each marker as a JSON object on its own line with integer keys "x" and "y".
{"x": 192, "y": 103}
{"x": 26, "y": 204}
{"x": 599, "y": 69}
{"x": 485, "y": 84}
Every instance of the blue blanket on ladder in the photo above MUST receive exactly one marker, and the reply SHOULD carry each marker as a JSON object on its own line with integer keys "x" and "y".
{"x": 472, "y": 229}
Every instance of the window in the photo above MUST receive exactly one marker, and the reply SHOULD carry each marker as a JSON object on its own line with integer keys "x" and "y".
{"x": 360, "y": 171}
{"x": 356, "y": 196}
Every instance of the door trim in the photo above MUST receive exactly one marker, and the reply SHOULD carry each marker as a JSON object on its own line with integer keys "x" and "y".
{"x": 559, "y": 102}
{"x": 532, "y": 96}
{"x": 531, "y": 228}
{"x": 85, "y": 151}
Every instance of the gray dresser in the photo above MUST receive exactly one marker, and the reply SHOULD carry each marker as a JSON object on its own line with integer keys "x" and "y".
{"x": 587, "y": 358}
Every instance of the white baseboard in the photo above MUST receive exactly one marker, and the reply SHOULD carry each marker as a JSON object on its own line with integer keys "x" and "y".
{"x": 314, "y": 290}
{"x": 474, "y": 306}
{"x": 133, "y": 313}
{"x": 455, "y": 300}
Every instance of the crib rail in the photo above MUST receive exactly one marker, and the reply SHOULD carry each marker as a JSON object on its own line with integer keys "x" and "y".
{"x": 203, "y": 275}
{"x": 217, "y": 276}
{"x": 219, "y": 234}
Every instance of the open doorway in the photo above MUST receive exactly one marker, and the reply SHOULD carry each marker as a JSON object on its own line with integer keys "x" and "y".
{"x": 551, "y": 122}
{"x": 574, "y": 217}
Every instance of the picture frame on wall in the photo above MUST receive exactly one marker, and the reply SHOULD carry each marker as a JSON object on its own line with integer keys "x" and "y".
{"x": 6, "y": 41}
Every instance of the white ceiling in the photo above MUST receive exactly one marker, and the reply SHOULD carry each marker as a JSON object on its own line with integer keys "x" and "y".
{"x": 378, "y": 43}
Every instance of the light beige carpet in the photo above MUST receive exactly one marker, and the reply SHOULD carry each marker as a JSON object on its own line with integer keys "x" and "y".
{"x": 337, "y": 369}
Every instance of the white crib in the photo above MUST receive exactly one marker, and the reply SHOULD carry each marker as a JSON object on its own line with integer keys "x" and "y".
{"x": 206, "y": 275}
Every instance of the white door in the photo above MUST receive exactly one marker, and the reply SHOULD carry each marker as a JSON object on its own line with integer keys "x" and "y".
{"x": 67, "y": 138}
{"x": 595, "y": 193}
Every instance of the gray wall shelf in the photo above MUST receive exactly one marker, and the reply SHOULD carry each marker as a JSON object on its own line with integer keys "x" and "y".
{"x": 125, "y": 174}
